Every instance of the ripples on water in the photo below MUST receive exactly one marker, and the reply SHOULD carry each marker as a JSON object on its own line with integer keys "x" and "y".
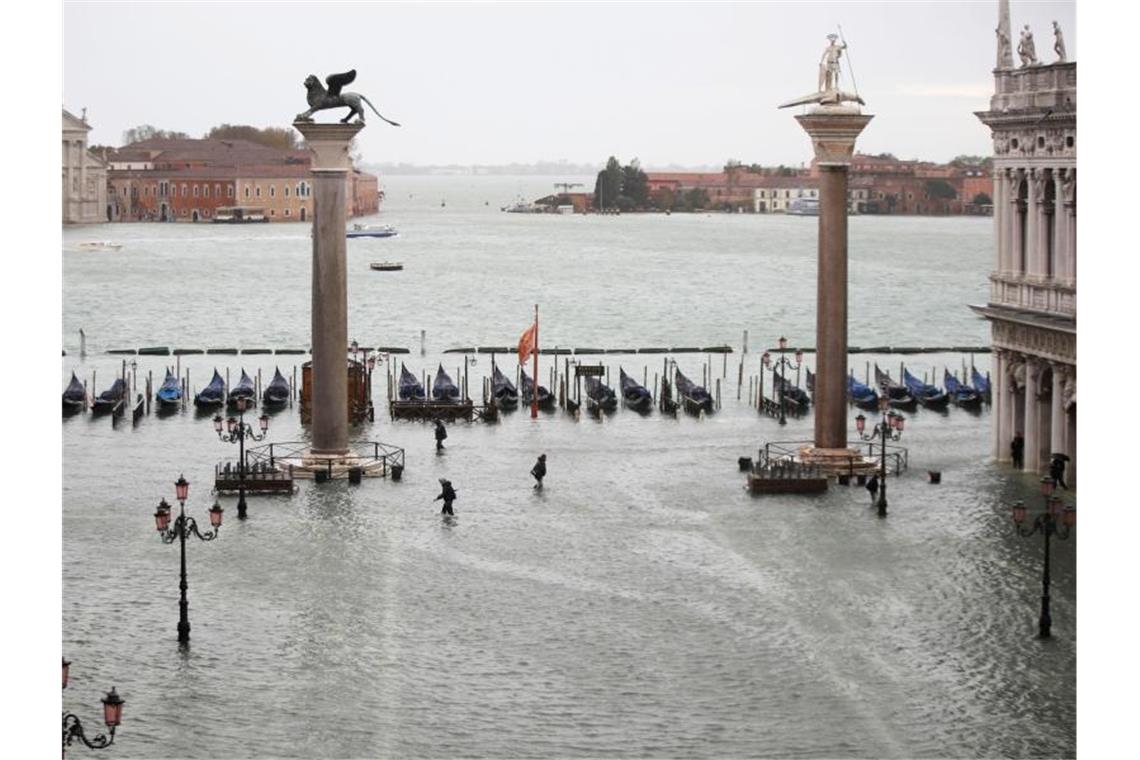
{"x": 642, "y": 604}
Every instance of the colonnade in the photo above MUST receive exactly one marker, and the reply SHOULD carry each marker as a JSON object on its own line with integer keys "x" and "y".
{"x": 1036, "y": 399}
{"x": 1035, "y": 223}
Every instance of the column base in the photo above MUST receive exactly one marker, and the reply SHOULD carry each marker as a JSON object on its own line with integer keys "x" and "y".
{"x": 838, "y": 461}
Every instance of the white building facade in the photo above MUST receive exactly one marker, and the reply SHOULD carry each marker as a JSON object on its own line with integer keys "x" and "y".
{"x": 84, "y": 175}
{"x": 1032, "y": 306}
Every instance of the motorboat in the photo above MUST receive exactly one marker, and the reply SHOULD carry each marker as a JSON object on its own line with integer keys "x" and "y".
{"x": 372, "y": 230}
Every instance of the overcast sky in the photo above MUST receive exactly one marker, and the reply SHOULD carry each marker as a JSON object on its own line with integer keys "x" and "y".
{"x": 496, "y": 83}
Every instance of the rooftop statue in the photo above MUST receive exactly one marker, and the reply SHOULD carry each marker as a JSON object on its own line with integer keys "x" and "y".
{"x": 1059, "y": 43}
{"x": 1027, "y": 49}
{"x": 320, "y": 99}
{"x": 829, "y": 92}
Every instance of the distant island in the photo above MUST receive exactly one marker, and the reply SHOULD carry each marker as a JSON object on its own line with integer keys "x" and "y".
{"x": 540, "y": 168}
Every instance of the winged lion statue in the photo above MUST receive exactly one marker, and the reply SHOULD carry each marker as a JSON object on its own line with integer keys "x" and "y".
{"x": 319, "y": 98}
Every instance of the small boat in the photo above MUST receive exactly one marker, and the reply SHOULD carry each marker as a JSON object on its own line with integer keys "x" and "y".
{"x": 862, "y": 396}
{"x": 213, "y": 395}
{"x": 809, "y": 381}
{"x": 169, "y": 394}
{"x": 239, "y": 215}
{"x": 503, "y": 390}
{"x": 100, "y": 245}
{"x": 599, "y": 396}
{"x": 443, "y": 389}
{"x": 74, "y": 396}
{"x": 930, "y": 396}
{"x": 243, "y": 391}
{"x": 898, "y": 396}
{"x": 545, "y": 397}
{"x": 386, "y": 266}
{"x": 960, "y": 393}
{"x": 372, "y": 230}
{"x": 277, "y": 392}
{"x": 794, "y": 396}
{"x": 110, "y": 398}
{"x": 409, "y": 388}
{"x": 981, "y": 384}
{"x": 803, "y": 207}
{"x": 694, "y": 396}
{"x": 635, "y": 395}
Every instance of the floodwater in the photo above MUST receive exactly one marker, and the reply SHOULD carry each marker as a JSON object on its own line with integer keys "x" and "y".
{"x": 642, "y": 604}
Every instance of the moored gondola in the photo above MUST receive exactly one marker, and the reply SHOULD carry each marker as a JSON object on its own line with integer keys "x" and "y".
{"x": 110, "y": 398}
{"x": 599, "y": 396}
{"x": 168, "y": 397}
{"x": 243, "y": 392}
{"x": 504, "y": 392}
{"x": 960, "y": 393}
{"x": 213, "y": 395}
{"x": 74, "y": 396}
{"x": 794, "y": 396}
{"x": 898, "y": 396}
{"x": 695, "y": 397}
{"x": 635, "y": 395}
{"x": 545, "y": 397}
{"x": 443, "y": 389}
{"x": 981, "y": 384}
{"x": 276, "y": 394}
{"x": 930, "y": 396}
{"x": 409, "y": 388}
{"x": 862, "y": 396}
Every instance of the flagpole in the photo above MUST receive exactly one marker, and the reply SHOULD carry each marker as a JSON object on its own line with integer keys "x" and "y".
{"x": 534, "y": 388}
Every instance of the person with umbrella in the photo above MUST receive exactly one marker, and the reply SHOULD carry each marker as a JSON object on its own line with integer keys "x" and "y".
{"x": 448, "y": 495}
{"x": 1057, "y": 469}
{"x": 539, "y": 471}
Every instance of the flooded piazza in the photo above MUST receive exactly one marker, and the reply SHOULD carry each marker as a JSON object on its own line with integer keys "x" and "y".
{"x": 642, "y": 603}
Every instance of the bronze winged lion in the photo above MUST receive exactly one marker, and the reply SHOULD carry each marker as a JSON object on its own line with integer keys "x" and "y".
{"x": 319, "y": 98}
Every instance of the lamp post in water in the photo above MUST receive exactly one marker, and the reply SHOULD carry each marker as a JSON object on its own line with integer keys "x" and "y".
{"x": 73, "y": 727}
{"x": 1046, "y": 524}
{"x": 237, "y": 430}
{"x": 890, "y": 428}
{"x": 184, "y": 526}
{"x": 781, "y": 364}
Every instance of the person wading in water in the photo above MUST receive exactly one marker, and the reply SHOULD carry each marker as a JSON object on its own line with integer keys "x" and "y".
{"x": 539, "y": 471}
{"x": 440, "y": 435}
{"x": 448, "y": 495}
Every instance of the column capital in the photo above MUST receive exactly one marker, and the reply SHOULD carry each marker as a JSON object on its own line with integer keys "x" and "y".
{"x": 329, "y": 144}
{"x": 833, "y": 133}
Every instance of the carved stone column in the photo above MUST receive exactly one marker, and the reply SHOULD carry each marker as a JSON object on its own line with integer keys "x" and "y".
{"x": 1069, "y": 194}
{"x": 1032, "y": 212}
{"x": 1016, "y": 243}
{"x": 1032, "y": 415}
{"x": 1001, "y": 217}
{"x": 1057, "y": 435}
{"x": 999, "y": 391}
{"x": 329, "y": 145}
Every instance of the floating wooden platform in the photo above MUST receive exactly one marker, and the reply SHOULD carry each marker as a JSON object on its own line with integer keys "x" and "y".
{"x": 434, "y": 410}
{"x": 759, "y": 483}
{"x": 257, "y": 479}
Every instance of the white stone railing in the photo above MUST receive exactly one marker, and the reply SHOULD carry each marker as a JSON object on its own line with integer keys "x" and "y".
{"x": 1037, "y": 294}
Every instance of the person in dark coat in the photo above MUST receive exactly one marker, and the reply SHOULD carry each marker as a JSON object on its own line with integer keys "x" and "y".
{"x": 873, "y": 487}
{"x": 1017, "y": 451}
{"x": 448, "y": 495}
{"x": 539, "y": 471}
{"x": 1057, "y": 471}
{"x": 440, "y": 434}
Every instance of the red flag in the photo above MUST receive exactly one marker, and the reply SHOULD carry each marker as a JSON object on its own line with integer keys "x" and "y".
{"x": 526, "y": 344}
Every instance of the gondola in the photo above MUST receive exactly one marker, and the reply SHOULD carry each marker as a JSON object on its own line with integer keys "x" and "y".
{"x": 960, "y": 393}
{"x": 213, "y": 395}
{"x": 599, "y": 396}
{"x": 276, "y": 394}
{"x": 74, "y": 396}
{"x": 694, "y": 396}
{"x": 898, "y": 396}
{"x": 545, "y": 397}
{"x": 862, "y": 396}
{"x": 930, "y": 396}
{"x": 410, "y": 388}
{"x": 981, "y": 384}
{"x": 443, "y": 389}
{"x": 794, "y": 396}
{"x": 809, "y": 381}
{"x": 110, "y": 398}
{"x": 243, "y": 392}
{"x": 505, "y": 394}
{"x": 169, "y": 395}
{"x": 635, "y": 395}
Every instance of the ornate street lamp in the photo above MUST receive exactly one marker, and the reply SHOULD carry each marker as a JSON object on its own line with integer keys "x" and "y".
{"x": 890, "y": 428}
{"x": 236, "y": 431}
{"x": 781, "y": 364}
{"x": 112, "y": 716}
{"x": 184, "y": 526}
{"x": 1047, "y": 525}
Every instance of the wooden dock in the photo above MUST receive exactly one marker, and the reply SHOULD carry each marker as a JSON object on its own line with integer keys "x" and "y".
{"x": 259, "y": 478}
{"x": 430, "y": 411}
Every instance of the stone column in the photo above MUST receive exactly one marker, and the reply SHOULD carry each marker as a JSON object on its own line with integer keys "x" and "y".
{"x": 1009, "y": 403}
{"x": 833, "y": 130}
{"x": 1060, "y": 236}
{"x": 1001, "y": 212}
{"x": 1057, "y": 437}
{"x": 329, "y": 144}
{"x": 1032, "y": 416}
{"x": 1069, "y": 195}
{"x": 1032, "y": 223}
{"x": 1013, "y": 250}
{"x": 1000, "y": 400}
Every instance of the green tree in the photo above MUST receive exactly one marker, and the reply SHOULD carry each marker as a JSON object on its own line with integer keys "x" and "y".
{"x": 981, "y": 199}
{"x": 635, "y": 184}
{"x": 695, "y": 198}
{"x": 607, "y": 187}
{"x": 272, "y": 137}
{"x": 149, "y": 132}
{"x": 940, "y": 188}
